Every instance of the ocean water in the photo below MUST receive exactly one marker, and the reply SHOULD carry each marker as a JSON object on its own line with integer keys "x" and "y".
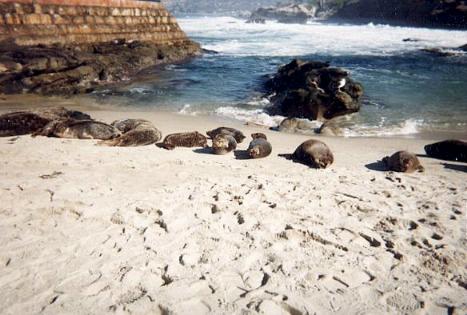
{"x": 407, "y": 91}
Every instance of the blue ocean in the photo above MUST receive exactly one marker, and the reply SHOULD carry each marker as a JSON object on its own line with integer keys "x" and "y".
{"x": 407, "y": 91}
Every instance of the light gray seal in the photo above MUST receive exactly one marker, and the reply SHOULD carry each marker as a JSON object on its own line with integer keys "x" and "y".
{"x": 237, "y": 134}
{"x": 135, "y": 132}
{"x": 403, "y": 161}
{"x": 184, "y": 139}
{"x": 223, "y": 144}
{"x": 259, "y": 147}
{"x": 314, "y": 153}
{"x": 79, "y": 129}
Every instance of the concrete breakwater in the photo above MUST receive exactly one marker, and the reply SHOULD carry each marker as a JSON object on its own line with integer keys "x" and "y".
{"x": 31, "y": 22}
{"x": 58, "y": 47}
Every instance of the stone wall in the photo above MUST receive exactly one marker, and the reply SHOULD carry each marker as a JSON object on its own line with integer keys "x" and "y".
{"x": 32, "y": 22}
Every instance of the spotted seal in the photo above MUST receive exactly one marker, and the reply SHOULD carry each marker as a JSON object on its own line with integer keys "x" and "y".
{"x": 184, "y": 139}
{"x": 79, "y": 129}
{"x": 237, "y": 134}
{"x": 314, "y": 153}
{"x": 223, "y": 144}
{"x": 403, "y": 161}
{"x": 135, "y": 132}
{"x": 27, "y": 122}
{"x": 259, "y": 147}
{"x": 451, "y": 150}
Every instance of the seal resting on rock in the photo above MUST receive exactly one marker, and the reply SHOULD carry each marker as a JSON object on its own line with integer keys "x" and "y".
{"x": 223, "y": 144}
{"x": 403, "y": 161}
{"x": 259, "y": 147}
{"x": 314, "y": 153}
{"x": 451, "y": 150}
{"x": 135, "y": 132}
{"x": 237, "y": 134}
{"x": 26, "y": 122}
{"x": 184, "y": 139}
{"x": 79, "y": 129}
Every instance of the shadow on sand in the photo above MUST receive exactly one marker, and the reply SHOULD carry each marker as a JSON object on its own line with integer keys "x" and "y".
{"x": 377, "y": 166}
{"x": 206, "y": 150}
{"x": 455, "y": 167}
{"x": 241, "y": 155}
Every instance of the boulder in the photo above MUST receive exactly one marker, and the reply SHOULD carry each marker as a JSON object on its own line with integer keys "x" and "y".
{"x": 291, "y": 13}
{"x": 313, "y": 90}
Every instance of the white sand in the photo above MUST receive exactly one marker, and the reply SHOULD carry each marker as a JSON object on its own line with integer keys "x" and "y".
{"x": 147, "y": 231}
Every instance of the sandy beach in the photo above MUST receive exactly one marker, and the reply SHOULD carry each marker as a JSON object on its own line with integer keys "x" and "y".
{"x": 87, "y": 229}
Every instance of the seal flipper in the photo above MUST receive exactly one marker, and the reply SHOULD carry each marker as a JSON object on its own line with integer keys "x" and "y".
{"x": 165, "y": 146}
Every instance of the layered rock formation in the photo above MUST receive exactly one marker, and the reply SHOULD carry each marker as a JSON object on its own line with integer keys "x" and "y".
{"x": 65, "y": 47}
{"x": 313, "y": 90}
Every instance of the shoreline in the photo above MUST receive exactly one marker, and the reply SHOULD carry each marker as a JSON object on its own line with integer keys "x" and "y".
{"x": 87, "y": 103}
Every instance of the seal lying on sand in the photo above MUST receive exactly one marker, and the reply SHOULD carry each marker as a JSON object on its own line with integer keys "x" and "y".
{"x": 451, "y": 150}
{"x": 135, "y": 132}
{"x": 26, "y": 122}
{"x": 184, "y": 139}
{"x": 79, "y": 129}
{"x": 223, "y": 144}
{"x": 259, "y": 147}
{"x": 237, "y": 134}
{"x": 297, "y": 125}
{"x": 403, "y": 161}
{"x": 313, "y": 153}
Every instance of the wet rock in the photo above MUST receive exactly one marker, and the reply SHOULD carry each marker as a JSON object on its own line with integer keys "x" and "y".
{"x": 66, "y": 69}
{"x": 313, "y": 90}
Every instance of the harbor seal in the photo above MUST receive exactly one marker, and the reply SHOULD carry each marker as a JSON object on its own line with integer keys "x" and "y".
{"x": 259, "y": 147}
{"x": 299, "y": 125}
{"x": 135, "y": 132}
{"x": 79, "y": 129}
{"x": 451, "y": 150}
{"x": 314, "y": 153}
{"x": 237, "y": 134}
{"x": 184, "y": 139}
{"x": 223, "y": 144}
{"x": 27, "y": 122}
{"x": 403, "y": 161}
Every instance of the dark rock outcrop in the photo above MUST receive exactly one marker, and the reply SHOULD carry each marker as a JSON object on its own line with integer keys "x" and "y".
{"x": 428, "y": 13}
{"x": 313, "y": 90}
{"x": 66, "y": 70}
{"x": 292, "y": 13}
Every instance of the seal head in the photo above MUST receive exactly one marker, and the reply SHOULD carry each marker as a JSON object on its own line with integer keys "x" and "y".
{"x": 404, "y": 162}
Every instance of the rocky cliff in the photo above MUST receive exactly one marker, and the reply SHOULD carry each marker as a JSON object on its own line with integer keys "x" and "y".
{"x": 428, "y": 13}
{"x": 73, "y": 46}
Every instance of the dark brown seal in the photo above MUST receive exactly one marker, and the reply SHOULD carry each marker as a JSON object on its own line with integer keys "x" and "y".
{"x": 223, "y": 144}
{"x": 314, "y": 153}
{"x": 135, "y": 132}
{"x": 259, "y": 147}
{"x": 237, "y": 134}
{"x": 451, "y": 150}
{"x": 27, "y": 122}
{"x": 403, "y": 161}
{"x": 184, "y": 139}
{"x": 79, "y": 129}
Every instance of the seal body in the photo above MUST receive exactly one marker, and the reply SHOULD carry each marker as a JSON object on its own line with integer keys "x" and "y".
{"x": 451, "y": 150}
{"x": 403, "y": 161}
{"x": 184, "y": 139}
{"x": 26, "y": 122}
{"x": 223, "y": 144}
{"x": 259, "y": 147}
{"x": 135, "y": 132}
{"x": 79, "y": 129}
{"x": 314, "y": 153}
{"x": 237, "y": 134}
